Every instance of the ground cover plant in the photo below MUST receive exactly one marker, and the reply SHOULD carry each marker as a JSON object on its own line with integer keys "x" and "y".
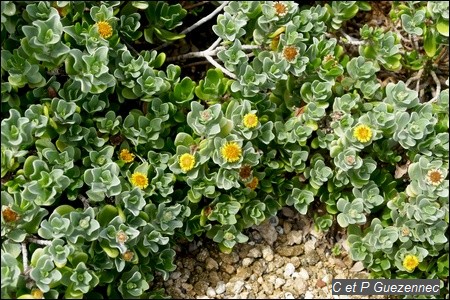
{"x": 116, "y": 148}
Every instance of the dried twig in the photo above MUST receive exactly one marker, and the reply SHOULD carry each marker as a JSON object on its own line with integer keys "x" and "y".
{"x": 198, "y": 23}
{"x": 195, "y": 5}
{"x": 205, "y": 19}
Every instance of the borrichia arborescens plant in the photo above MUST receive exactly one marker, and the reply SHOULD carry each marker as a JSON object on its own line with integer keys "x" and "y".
{"x": 112, "y": 154}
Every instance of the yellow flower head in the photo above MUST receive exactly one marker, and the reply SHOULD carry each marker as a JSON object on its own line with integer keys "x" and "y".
{"x": 253, "y": 184}
{"x": 128, "y": 255}
{"x": 104, "y": 29}
{"x": 434, "y": 177}
{"x": 37, "y": 294}
{"x": 250, "y": 120}
{"x": 187, "y": 162}
{"x": 140, "y": 180}
{"x": 290, "y": 53}
{"x": 231, "y": 152}
{"x": 126, "y": 156}
{"x": 362, "y": 133}
{"x": 410, "y": 262}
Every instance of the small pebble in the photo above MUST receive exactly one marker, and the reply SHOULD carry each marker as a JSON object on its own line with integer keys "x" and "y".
{"x": 254, "y": 253}
{"x": 210, "y": 292}
{"x": 303, "y": 274}
{"x": 309, "y": 295}
{"x": 289, "y": 269}
{"x": 288, "y": 296}
{"x": 267, "y": 253}
{"x": 238, "y": 286}
{"x": 247, "y": 261}
{"x": 211, "y": 264}
{"x": 279, "y": 282}
{"x": 220, "y": 288}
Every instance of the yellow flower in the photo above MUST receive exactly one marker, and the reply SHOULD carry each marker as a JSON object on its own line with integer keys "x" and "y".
{"x": 410, "y": 262}
{"x": 104, "y": 29}
{"x": 250, "y": 120}
{"x": 253, "y": 184}
{"x": 37, "y": 294}
{"x": 434, "y": 177}
{"x": 187, "y": 162}
{"x": 290, "y": 53}
{"x": 140, "y": 180}
{"x": 231, "y": 152}
{"x": 362, "y": 133}
{"x": 126, "y": 156}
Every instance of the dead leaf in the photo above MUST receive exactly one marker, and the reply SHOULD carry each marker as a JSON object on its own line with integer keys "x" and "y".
{"x": 401, "y": 170}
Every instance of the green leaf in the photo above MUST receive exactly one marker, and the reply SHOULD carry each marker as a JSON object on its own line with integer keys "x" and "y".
{"x": 184, "y": 139}
{"x": 442, "y": 27}
{"x": 166, "y": 35}
{"x": 106, "y": 214}
{"x": 429, "y": 42}
{"x": 113, "y": 253}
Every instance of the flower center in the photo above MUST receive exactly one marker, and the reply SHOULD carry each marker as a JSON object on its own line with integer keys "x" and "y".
{"x": 280, "y": 9}
{"x": 104, "y": 29}
{"x": 405, "y": 231}
{"x": 140, "y": 180}
{"x": 121, "y": 237}
{"x": 434, "y": 177}
{"x": 187, "y": 162}
{"x": 410, "y": 262}
{"x": 362, "y": 133}
{"x": 250, "y": 120}
{"x": 84, "y": 223}
{"x": 350, "y": 160}
{"x": 231, "y": 152}
{"x": 205, "y": 115}
{"x": 290, "y": 53}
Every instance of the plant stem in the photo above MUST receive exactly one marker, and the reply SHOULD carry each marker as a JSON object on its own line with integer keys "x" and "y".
{"x": 350, "y": 40}
{"x": 415, "y": 77}
{"x": 25, "y": 258}
{"x": 438, "y": 86}
{"x": 208, "y": 52}
{"x": 84, "y": 200}
{"x": 217, "y": 65}
{"x": 39, "y": 242}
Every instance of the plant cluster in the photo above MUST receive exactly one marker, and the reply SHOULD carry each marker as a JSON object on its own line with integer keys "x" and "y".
{"x": 111, "y": 157}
